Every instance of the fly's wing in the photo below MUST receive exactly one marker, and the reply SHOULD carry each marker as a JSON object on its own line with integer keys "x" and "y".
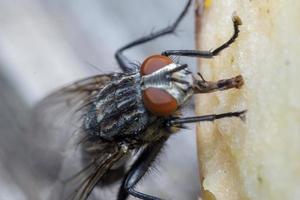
{"x": 78, "y": 185}
{"x": 61, "y": 113}
{"x": 56, "y": 131}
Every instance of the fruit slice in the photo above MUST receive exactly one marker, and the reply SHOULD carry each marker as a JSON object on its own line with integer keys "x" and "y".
{"x": 258, "y": 159}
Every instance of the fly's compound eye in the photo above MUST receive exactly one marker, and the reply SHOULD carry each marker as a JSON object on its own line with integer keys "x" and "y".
{"x": 156, "y": 100}
{"x": 159, "y": 102}
{"x": 154, "y": 63}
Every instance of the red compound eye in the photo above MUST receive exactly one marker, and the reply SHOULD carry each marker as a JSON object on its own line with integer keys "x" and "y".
{"x": 157, "y": 101}
{"x": 154, "y": 63}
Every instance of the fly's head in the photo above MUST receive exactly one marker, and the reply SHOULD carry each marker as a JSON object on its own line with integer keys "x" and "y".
{"x": 166, "y": 85}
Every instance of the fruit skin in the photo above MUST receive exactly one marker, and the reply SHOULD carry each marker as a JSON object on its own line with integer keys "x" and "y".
{"x": 258, "y": 159}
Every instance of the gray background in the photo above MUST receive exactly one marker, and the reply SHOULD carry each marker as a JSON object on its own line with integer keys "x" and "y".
{"x": 45, "y": 44}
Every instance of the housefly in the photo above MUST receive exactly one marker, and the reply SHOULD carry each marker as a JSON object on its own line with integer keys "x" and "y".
{"x": 120, "y": 114}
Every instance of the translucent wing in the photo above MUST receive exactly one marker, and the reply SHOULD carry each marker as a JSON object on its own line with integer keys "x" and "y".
{"x": 78, "y": 184}
{"x": 56, "y": 131}
{"x": 58, "y": 117}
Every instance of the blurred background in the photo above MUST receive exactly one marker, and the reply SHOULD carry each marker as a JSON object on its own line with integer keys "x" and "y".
{"x": 45, "y": 44}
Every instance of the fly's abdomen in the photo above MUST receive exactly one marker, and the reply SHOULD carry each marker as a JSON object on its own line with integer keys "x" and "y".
{"x": 118, "y": 109}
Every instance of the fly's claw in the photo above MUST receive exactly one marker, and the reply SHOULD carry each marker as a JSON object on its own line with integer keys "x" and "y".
{"x": 236, "y": 20}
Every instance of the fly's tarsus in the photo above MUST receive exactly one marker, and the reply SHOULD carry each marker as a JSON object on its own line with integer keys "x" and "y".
{"x": 212, "y": 117}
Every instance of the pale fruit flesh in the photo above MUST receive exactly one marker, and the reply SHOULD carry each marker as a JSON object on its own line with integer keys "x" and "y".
{"x": 259, "y": 158}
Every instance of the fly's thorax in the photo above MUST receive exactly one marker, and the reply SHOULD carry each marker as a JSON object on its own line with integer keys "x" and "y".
{"x": 118, "y": 109}
{"x": 173, "y": 81}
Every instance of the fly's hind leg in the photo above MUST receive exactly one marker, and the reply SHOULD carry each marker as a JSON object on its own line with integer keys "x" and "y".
{"x": 124, "y": 62}
{"x": 138, "y": 170}
{"x": 208, "y": 54}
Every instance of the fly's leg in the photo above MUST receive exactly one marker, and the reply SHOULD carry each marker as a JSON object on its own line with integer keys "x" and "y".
{"x": 180, "y": 121}
{"x": 203, "y": 86}
{"x": 124, "y": 62}
{"x": 138, "y": 170}
{"x": 208, "y": 54}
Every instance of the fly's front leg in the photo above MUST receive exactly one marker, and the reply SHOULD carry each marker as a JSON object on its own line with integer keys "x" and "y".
{"x": 138, "y": 170}
{"x": 203, "y": 86}
{"x": 180, "y": 121}
{"x": 124, "y": 62}
{"x": 208, "y": 54}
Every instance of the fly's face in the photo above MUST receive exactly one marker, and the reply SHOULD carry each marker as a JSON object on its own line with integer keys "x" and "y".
{"x": 165, "y": 84}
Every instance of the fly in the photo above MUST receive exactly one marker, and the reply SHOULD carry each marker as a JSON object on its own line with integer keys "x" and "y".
{"x": 135, "y": 110}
